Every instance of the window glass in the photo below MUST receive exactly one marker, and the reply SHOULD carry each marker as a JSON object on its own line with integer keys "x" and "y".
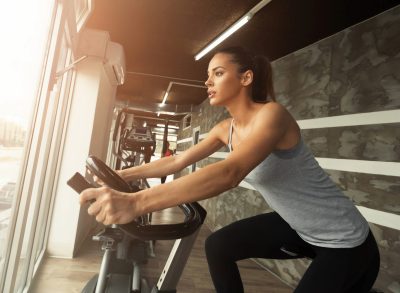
{"x": 36, "y": 195}
{"x": 81, "y": 7}
{"x": 24, "y": 27}
{"x": 55, "y": 123}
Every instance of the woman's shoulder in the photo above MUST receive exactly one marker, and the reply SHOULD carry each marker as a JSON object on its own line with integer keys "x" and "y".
{"x": 221, "y": 129}
{"x": 273, "y": 109}
{"x": 275, "y": 116}
{"x": 223, "y": 125}
{"x": 273, "y": 106}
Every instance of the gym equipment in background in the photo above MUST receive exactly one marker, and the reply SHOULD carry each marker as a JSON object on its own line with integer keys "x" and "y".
{"x": 126, "y": 246}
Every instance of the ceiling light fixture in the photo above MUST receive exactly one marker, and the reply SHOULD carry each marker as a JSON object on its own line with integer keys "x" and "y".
{"x": 233, "y": 28}
{"x": 237, "y": 25}
{"x": 169, "y": 126}
{"x": 177, "y": 83}
{"x": 165, "y": 98}
{"x": 166, "y": 94}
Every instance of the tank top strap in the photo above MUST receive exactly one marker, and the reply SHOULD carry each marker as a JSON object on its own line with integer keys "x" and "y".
{"x": 230, "y": 136}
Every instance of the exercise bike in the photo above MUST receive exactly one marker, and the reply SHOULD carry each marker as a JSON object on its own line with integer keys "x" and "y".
{"x": 132, "y": 143}
{"x": 124, "y": 245}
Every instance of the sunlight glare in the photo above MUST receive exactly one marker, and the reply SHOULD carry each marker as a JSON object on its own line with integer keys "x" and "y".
{"x": 24, "y": 26}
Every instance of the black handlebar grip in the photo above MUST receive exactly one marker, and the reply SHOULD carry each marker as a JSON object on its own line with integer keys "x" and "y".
{"x": 79, "y": 183}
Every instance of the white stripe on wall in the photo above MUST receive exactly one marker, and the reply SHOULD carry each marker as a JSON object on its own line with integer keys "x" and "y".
{"x": 360, "y": 166}
{"x": 244, "y": 184}
{"x": 381, "y": 117}
{"x": 219, "y": 155}
{"x": 373, "y": 216}
{"x": 190, "y": 139}
{"x": 183, "y": 140}
{"x": 370, "y": 118}
{"x": 380, "y": 218}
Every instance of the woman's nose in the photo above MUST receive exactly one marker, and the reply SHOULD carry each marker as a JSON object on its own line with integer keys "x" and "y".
{"x": 208, "y": 82}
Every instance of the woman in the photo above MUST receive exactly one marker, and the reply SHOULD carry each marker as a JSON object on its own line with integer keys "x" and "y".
{"x": 311, "y": 213}
{"x": 165, "y": 153}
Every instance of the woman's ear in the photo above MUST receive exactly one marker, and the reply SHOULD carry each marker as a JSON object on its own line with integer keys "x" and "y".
{"x": 247, "y": 77}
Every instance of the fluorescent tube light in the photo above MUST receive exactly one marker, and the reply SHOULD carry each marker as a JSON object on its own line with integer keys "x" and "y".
{"x": 237, "y": 25}
{"x": 165, "y": 98}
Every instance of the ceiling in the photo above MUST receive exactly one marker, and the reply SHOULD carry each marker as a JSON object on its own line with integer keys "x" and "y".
{"x": 161, "y": 37}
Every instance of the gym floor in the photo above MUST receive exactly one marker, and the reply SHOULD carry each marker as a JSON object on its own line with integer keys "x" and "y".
{"x": 71, "y": 275}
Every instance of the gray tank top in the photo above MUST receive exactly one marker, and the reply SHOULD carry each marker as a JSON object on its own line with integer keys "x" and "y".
{"x": 298, "y": 189}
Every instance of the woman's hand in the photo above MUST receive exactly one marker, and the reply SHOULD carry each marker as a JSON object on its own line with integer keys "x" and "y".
{"x": 110, "y": 206}
{"x": 121, "y": 174}
{"x": 100, "y": 182}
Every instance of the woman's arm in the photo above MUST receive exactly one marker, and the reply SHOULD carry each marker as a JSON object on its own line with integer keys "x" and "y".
{"x": 114, "y": 207}
{"x": 172, "y": 164}
{"x": 269, "y": 130}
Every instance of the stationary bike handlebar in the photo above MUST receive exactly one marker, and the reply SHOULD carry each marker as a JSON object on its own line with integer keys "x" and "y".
{"x": 194, "y": 218}
{"x": 194, "y": 212}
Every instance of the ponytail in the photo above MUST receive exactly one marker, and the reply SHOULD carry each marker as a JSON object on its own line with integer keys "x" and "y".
{"x": 262, "y": 89}
{"x": 263, "y": 86}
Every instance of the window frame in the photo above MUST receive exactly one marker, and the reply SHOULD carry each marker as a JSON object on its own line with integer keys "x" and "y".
{"x": 185, "y": 123}
{"x": 195, "y": 140}
{"x": 30, "y": 160}
{"x": 42, "y": 151}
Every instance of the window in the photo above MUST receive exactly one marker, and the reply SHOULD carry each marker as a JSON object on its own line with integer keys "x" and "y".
{"x": 33, "y": 112}
{"x": 25, "y": 33}
{"x": 82, "y": 10}
{"x": 196, "y": 137}
{"x": 55, "y": 123}
{"x": 187, "y": 121}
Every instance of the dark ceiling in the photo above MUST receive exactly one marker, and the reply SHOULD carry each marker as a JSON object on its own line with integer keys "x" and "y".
{"x": 161, "y": 37}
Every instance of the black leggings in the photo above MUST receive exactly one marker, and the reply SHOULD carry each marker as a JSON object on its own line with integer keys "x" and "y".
{"x": 338, "y": 270}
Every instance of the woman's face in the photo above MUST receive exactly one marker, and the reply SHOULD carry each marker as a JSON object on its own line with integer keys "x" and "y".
{"x": 224, "y": 80}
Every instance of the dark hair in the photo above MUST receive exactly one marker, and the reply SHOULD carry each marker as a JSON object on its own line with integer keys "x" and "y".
{"x": 262, "y": 87}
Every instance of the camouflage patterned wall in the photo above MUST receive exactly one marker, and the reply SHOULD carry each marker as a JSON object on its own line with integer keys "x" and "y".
{"x": 356, "y": 71}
